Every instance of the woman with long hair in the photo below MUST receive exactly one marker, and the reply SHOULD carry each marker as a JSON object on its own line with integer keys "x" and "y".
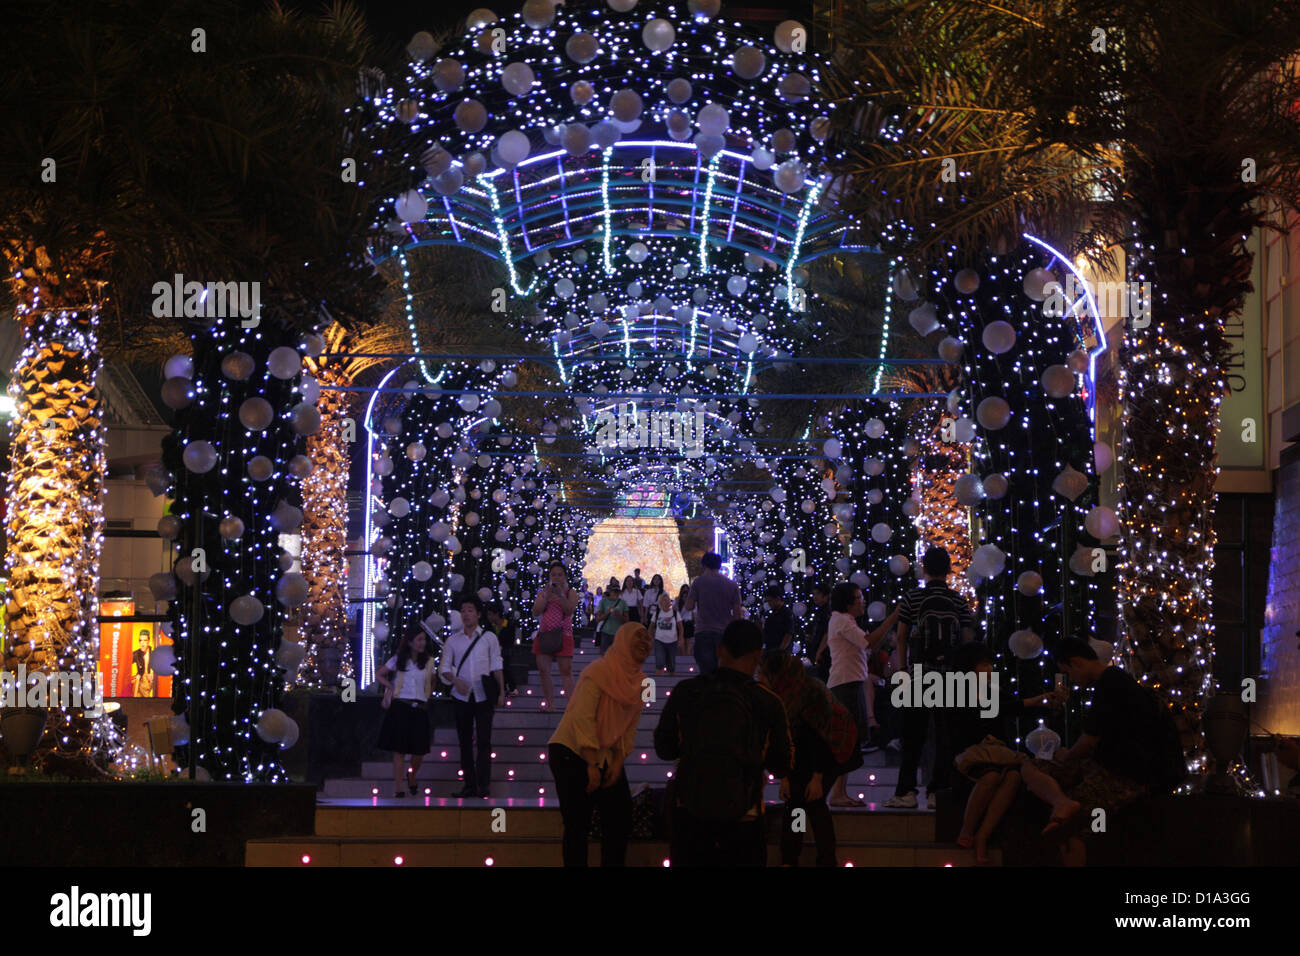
{"x": 686, "y": 617}
{"x": 650, "y": 599}
{"x": 408, "y": 677}
{"x": 554, "y": 609}
{"x": 825, "y": 749}
{"x": 588, "y": 750}
{"x": 632, "y": 598}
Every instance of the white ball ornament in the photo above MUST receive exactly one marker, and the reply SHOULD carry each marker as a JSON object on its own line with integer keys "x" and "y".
{"x": 582, "y": 93}
{"x": 832, "y": 448}
{"x": 581, "y": 48}
{"x": 576, "y": 139}
{"x": 905, "y": 286}
{"x": 899, "y": 565}
{"x": 911, "y": 508}
{"x": 875, "y": 496}
{"x": 599, "y": 329}
{"x": 305, "y": 419}
{"x": 518, "y": 79}
{"x": 638, "y": 252}
{"x": 179, "y": 366}
{"x": 470, "y": 116}
{"x": 479, "y": 18}
{"x": 625, "y": 105}
{"x": 807, "y": 506}
{"x": 1029, "y": 583}
{"x": 964, "y": 430}
{"x": 876, "y": 610}
{"x": 966, "y": 281}
{"x": 237, "y": 366}
{"x": 911, "y": 448}
{"x": 789, "y": 176}
{"x": 874, "y": 428}
{"x": 178, "y": 392}
{"x": 709, "y": 144}
{"x": 1070, "y": 483}
{"x": 246, "y": 610}
{"x": 857, "y": 548}
{"x": 924, "y": 319}
{"x": 748, "y": 343}
{"x": 411, "y": 206}
{"x": 968, "y": 490}
{"x": 1035, "y": 282}
{"x": 1077, "y": 361}
{"x": 748, "y": 62}
{"x": 199, "y": 457}
{"x": 273, "y": 725}
{"x": 230, "y": 528}
{"x": 286, "y": 518}
{"x": 291, "y": 590}
{"x": 1025, "y": 644}
{"x": 658, "y": 35}
{"x": 399, "y": 507}
{"x": 789, "y": 34}
{"x": 169, "y": 526}
{"x": 1102, "y": 456}
{"x": 538, "y": 14}
{"x": 468, "y": 402}
{"x": 881, "y": 532}
{"x": 513, "y": 147}
{"x": 162, "y": 586}
{"x": 1058, "y": 381}
{"x": 621, "y": 6}
{"x": 1081, "y": 562}
{"x": 1101, "y": 523}
{"x": 678, "y": 124}
{"x": 260, "y": 468}
{"x": 763, "y": 159}
{"x": 950, "y": 349}
{"x": 452, "y": 544}
{"x": 255, "y": 414}
{"x": 679, "y": 90}
{"x": 1043, "y": 742}
{"x": 874, "y": 467}
{"x": 993, "y": 413}
{"x": 989, "y": 560}
{"x": 422, "y": 571}
{"x": 996, "y": 486}
{"x": 999, "y": 337}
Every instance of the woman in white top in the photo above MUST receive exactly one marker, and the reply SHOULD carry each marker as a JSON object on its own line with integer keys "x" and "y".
{"x": 632, "y": 598}
{"x": 650, "y": 599}
{"x": 686, "y": 617}
{"x": 668, "y": 635}
{"x": 408, "y": 677}
{"x": 849, "y": 645}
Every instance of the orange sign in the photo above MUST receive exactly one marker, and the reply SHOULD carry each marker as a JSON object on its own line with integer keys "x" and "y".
{"x": 125, "y": 649}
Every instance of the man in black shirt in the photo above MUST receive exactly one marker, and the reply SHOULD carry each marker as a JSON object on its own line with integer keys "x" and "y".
{"x": 778, "y": 623}
{"x": 1120, "y": 756}
{"x": 933, "y": 621}
{"x": 819, "y": 651}
{"x": 726, "y": 731}
{"x": 507, "y": 637}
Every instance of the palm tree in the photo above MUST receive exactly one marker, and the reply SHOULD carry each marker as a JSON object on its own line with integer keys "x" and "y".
{"x": 1158, "y": 129}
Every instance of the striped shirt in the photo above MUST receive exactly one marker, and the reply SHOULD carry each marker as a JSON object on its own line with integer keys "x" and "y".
{"x": 935, "y": 616}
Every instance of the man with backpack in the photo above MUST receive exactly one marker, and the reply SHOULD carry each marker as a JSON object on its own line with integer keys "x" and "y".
{"x": 1130, "y": 746}
{"x": 933, "y": 621}
{"x": 726, "y": 731}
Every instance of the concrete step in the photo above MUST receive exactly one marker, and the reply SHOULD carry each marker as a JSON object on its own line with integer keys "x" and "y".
{"x": 339, "y": 852}
{"x": 532, "y": 786}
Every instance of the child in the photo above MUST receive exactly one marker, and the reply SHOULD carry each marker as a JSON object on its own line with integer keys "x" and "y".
{"x": 667, "y": 634}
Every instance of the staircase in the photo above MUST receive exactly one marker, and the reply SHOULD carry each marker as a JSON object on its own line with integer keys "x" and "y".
{"x": 359, "y": 822}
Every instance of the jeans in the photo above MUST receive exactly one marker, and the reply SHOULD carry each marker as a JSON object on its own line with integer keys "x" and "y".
{"x": 666, "y": 656}
{"x": 816, "y": 815}
{"x": 706, "y": 650}
{"x": 916, "y": 727}
{"x": 472, "y": 718}
{"x": 702, "y": 843}
{"x": 613, "y": 802}
{"x": 606, "y": 641}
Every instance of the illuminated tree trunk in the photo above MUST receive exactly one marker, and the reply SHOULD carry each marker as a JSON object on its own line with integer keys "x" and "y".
{"x": 324, "y": 537}
{"x": 940, "y": 521}
{"x": 55, "y": 521}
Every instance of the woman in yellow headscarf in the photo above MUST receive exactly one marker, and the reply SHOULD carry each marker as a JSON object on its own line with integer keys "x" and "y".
{"x": 588, "y": 749}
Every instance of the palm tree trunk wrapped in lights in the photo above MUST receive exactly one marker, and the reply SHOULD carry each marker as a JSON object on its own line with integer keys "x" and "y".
{"x": 55, "y": 517}
{"x": 940, "y": 521}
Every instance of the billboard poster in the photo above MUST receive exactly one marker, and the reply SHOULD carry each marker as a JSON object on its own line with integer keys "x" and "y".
{"x": 125, "y": 648}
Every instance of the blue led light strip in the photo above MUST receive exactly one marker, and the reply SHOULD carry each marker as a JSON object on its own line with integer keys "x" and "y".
{"x": 884, "y": 326}
{"x": 609, "y": 213}
{"x": 410, "y": 321}
{"x": 704, "y": 213}
{"x": 491, "y": 190}
{"x": 809, "y": 202}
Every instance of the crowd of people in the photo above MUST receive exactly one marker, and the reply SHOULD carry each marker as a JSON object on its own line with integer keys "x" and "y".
{"x": 761, "y": 704}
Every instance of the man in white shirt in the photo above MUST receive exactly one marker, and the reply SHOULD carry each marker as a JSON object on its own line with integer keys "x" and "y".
{"x": 467, "y": 658}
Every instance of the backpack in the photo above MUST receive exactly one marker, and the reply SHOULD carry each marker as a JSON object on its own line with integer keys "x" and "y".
{"x": 937, "y": 636}
{"x": 719, "y": 776}
{"x": 1167, "y": 762}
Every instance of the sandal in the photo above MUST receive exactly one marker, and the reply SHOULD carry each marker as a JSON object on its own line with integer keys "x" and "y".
{"x": 852, "y": 802}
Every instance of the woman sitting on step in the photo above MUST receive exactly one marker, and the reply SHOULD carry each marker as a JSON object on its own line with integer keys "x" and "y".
{"x": 588, "y": 750}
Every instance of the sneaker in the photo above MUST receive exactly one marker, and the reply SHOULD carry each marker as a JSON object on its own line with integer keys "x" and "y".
{"x": 930, "y": 801}
{"x": 894, "y": 744}
{"x": 903, "y": 801}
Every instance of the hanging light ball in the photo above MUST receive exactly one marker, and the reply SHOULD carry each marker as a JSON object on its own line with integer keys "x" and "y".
{"x": 993, "y": 413}
{"x": 989, "y": 560}
{"x": 421, "y": 571}
{"x": 748, "y": 62}
{"x": 999, "y": 337}
{"x": 1029, "y": 583}
{"x": 411, "y": 206}
{"x": 899, "y": 565}
{"x": 832, "y": 448}
{"x": 538, "y": 14}
{"x": 416, "y": 451}
{"x": 950, "y": 349}
{"x": 638, "y": 252}
{"x": 1035, "y": 282}
{"x": 470, "y": 116}
{"x": 260, "y": 468}
{"x": 178, "y": 392}
{"x": 230, "y": 528}
{"x": 790, "y": 33}
{"x": 199, "y": 457}
{"x": 924, "y": 319}
{"x": 162, "y": 586}
{"x": 1043, "y": 742}
{"x": 273, "y": 725}
{"x": 582, "y": 48}
{"x": 1025, "y": 644}
{"x": 658, "y": 35}
{"x": 246, "y": 610}
{"x": 621, "y": 6}
{"x": 291, "y": 591}
{"x": 255, "y": 414}
{"x": 1103, "y": 456}
{"x": 518, "y": 79}
{"x": 237, "y": 366}
{"x": 625, "y": 105}
{"x": 881, "y": 532}
{"x": 996, "y": 486}
{"x": 1058, "y": 381}
{"x": 1101, "y": 523}
{"x": 513, "y": 147}
{"x": 968, "y": 490}
{"x": 179, "y": 366}
{"x": 966, "y": 281}
{"x": 789, "y": 176}
{"x": 876, "y": 610}
{"x": 964, "y": 430}
{"x": 284, "y": 363}
{"x": 305, "y": 419}
{"x": 911, "y": 448}
{"x": 169, "y": 526}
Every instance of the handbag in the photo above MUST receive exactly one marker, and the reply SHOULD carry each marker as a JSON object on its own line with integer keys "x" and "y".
{"x": 550, "y": 641}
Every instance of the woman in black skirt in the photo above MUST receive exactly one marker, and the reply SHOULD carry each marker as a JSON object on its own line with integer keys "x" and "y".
{"x": 408, "y": 678}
